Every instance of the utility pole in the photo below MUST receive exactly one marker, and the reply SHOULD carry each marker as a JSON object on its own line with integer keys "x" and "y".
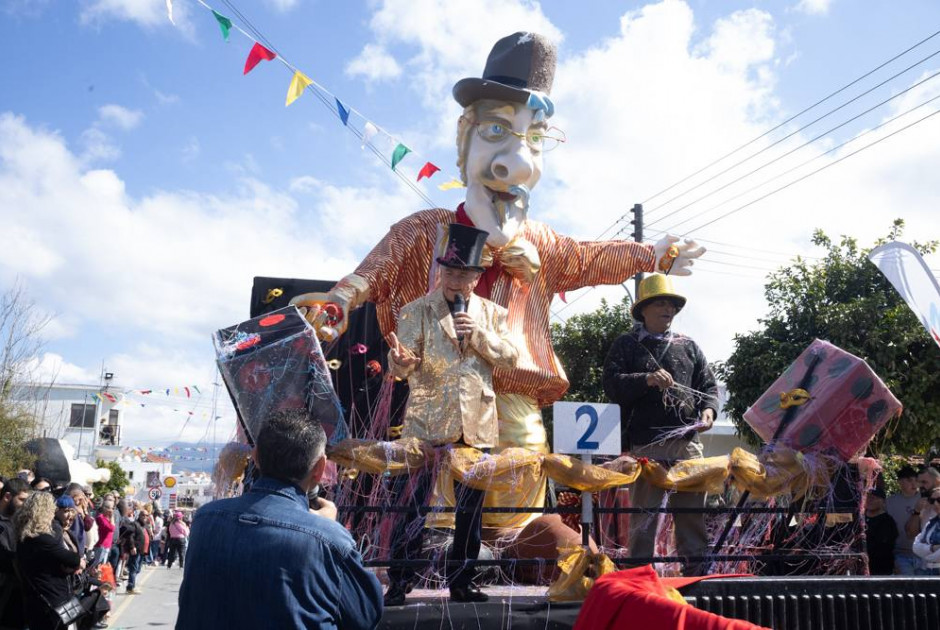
{"x": 638, "y": 237}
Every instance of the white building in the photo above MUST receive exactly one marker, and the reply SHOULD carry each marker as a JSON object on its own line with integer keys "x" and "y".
{"x": 86, "y": 416}
{"x": 194, "y": 489}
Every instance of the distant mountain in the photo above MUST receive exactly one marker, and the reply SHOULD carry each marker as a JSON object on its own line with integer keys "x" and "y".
{"x": 192, "y": 456}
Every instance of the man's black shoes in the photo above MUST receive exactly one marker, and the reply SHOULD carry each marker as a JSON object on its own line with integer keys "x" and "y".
{"x": 395, "y": 595}
{"x": 467, "y": 594}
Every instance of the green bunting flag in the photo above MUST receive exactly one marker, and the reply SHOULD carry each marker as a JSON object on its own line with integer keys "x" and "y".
{"x": 224, "y": 23}
{"x": 399, "y": 152}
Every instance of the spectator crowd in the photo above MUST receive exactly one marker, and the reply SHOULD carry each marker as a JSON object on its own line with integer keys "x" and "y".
{"x": 65, "y": 552}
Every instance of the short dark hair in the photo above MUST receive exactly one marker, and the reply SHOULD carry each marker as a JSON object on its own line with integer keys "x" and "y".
{"x": 289, "y": 444}
{"x": 906, "y": 472}
{"x": 38, "y": 480}
{"x": 14, "y": 486}
{"x": 930, "y": 470}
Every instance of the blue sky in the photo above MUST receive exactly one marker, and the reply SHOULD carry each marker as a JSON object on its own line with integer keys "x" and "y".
{"x": 146, "y": 180}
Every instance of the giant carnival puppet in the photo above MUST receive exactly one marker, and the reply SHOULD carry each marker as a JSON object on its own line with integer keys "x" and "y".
{"x": 502, "y": 135}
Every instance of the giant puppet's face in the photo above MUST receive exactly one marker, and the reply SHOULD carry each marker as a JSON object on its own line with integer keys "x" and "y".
{"x": 500, "y": 167}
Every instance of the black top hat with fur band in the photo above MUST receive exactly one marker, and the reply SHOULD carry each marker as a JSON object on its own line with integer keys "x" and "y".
{"x": 518, "y": 65}
{"x": 464, "y": 247}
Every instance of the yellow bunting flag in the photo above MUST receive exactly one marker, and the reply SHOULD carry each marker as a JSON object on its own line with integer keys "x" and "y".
{"x": 454, "y": 183}
{"x": 297, "y": 86}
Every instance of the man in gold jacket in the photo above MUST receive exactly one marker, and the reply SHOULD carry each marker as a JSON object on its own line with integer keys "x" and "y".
{"x": 447, "y": 345}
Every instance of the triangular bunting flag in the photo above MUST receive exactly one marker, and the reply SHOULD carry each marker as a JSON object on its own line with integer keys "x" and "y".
{"x": 197, "y": 389}
{"x": 369, "y": 131}
{"x": 399, "y": 152}
{"x": 454, "y": 183}
{"x": 427, "y": 170}
{"x": 187, "y": 391}
{"x": 224, "y": 23}
{"x": 257, "y": 53}
{"x": 343, "y": 112}
{"x": 297, "y": 86}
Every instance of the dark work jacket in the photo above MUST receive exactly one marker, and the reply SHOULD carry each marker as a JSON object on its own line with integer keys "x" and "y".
{"x": 643, "y": 416}
{"x": 880, "y": 534}
{"x": 11, "y": 594}
{"x": 132, "y": 535}
{"x": 45, "y": 565}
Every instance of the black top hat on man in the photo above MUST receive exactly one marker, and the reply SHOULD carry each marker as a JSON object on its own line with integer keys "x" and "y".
{"x": 518, "y": 65}
{"x": 463, "y": 248}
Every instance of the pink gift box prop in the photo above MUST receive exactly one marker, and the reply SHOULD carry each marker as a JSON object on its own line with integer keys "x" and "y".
{"x": 848, "y": 403}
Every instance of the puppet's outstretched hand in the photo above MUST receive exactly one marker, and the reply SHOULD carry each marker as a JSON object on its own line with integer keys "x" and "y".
{"x": 675, "y": 258}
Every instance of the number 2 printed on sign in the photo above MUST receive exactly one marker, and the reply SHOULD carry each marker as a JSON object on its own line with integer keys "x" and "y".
{"x": 585, "y": 442}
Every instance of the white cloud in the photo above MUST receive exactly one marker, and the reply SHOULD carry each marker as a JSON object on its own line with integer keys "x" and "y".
{"x": 121, "y": 117}
{"x": 53, "y": 368}
{"x": 813, "y": 7}
{"x": 305, "y": 184}
{"x": 99, "y": 146}
{"x": 441, "y": 41}
{"x": 282, "y": 6}
{"x": 144, "y": 12}
{"x": 374, "y": 63}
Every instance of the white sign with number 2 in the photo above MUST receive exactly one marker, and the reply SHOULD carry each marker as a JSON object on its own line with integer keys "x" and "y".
{"x": 586, "y": 428}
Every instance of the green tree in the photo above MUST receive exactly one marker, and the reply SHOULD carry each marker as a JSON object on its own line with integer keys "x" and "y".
{"x": 117, "y": 483}
{"x": 844, "y": 299}
{"x": 21, "y": 344}
{"x": 582, "y": 343}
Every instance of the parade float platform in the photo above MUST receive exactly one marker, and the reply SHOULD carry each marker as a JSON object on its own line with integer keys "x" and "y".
{"x": 782, "y": 603}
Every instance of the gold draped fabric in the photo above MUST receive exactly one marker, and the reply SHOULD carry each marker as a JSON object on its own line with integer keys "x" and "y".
{"x": 578, "y": 568}
{"x": 781, "y": 471}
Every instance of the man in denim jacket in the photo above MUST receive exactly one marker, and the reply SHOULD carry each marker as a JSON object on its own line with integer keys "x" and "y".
{"x": 265, "y": 559}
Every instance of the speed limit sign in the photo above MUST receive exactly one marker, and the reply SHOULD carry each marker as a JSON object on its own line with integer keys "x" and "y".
{"x": 155, "y": 494}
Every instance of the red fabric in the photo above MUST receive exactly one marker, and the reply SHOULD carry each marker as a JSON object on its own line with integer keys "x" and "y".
{"x": 489, "y": 277}
{"x": 257, "y": 53}
{"x": 636, "y": 598}
{"x": 427, "y": 170}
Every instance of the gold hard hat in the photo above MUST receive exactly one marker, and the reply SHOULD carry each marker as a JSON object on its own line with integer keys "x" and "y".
{"x": 652, "y": 287}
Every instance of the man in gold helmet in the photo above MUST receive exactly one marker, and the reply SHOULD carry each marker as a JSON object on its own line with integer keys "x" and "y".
{"x": 667, "y": 396}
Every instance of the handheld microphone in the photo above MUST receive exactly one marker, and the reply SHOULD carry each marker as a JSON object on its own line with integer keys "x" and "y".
{"x": 460, "y": 306}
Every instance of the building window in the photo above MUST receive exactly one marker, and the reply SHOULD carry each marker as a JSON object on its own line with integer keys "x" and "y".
{"x": 83, "y": 416}
{"x": 130, "y": 475}
{"x": 113, "y": 417}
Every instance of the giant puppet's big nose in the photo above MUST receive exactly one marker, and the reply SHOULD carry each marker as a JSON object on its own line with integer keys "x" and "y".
{"x": 515, "y": 165}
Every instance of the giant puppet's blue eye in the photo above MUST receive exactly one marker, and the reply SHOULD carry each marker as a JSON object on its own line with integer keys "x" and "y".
{"x": 493, "y": 131}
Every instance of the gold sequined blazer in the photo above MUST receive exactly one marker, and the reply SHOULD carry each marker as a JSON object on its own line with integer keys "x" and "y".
{"x": 452, "y": 387}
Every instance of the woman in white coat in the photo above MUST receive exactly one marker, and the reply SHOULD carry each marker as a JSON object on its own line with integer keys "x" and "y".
{"x": 927, "y": 543}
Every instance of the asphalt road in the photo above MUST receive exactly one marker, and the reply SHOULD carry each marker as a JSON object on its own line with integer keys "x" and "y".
{"x": 155, "y": 607}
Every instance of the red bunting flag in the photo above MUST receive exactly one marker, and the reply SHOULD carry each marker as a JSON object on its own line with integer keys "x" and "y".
{"x": 187, "y": 391}
{"x": 258, "y": 52}
{"x": 110, "y": 397}
{"x": 427, "y": 170}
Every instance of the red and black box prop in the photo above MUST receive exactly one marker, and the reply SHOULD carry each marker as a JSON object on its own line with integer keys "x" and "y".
{"x": 848, "y": 404}
{"x": 275, "y": 362}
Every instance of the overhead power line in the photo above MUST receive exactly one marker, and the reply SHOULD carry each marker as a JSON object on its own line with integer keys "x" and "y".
{"x": 802, "y": 164}
{"x": 810, "y": 174}
{"x": 795, "y": 116}
{"x": 798, "y": 130}
{"x": 807, "y": 143}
